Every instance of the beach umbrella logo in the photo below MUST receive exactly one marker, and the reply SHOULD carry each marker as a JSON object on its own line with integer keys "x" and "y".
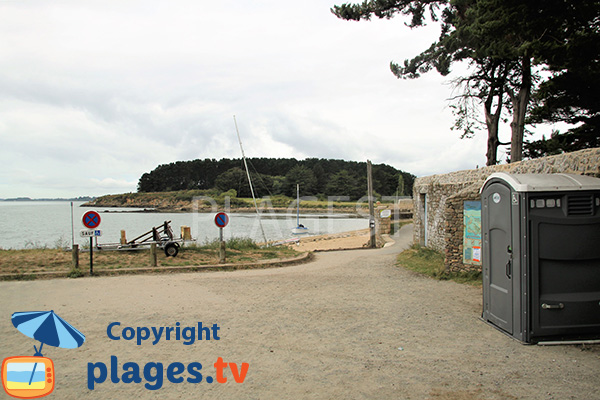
{"x": 32, "y": 377}
{"x": 48, "y": 328}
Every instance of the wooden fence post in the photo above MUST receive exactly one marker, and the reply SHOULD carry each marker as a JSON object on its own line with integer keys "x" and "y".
{"x": 186, "y": 233}
{"x": 153, "y": 256}
{"x": 75, "y": 255}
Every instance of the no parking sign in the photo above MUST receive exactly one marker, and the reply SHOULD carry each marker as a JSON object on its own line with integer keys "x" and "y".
{"x": 221, "y": 220}
{"x": 91, "y": 219}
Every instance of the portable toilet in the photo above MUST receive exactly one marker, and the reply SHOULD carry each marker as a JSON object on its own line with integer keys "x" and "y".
{"x": 541, "y": 256}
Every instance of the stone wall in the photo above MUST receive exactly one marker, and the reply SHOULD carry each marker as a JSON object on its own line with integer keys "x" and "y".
{"x": 445, "y": 194}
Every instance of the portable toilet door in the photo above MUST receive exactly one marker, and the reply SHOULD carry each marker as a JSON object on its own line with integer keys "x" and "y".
{"x": 498, "y": 248}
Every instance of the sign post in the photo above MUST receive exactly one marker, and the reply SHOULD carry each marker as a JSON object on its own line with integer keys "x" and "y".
{"x": 91, "y": 220}
{"x": 221, "y": 220}
{"x": 373, "y": 240}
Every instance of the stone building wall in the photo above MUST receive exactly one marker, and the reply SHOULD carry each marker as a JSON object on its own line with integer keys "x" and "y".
{"x": 445, "y": 194}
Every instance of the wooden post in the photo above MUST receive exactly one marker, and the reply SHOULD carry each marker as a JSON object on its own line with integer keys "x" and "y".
{"x": 123, "y": 237}
{"x": 75, "y": 255}
{"x": 153, "y": 255}
{"x": 186, "y": 233}
{"x": 373, "y": 240}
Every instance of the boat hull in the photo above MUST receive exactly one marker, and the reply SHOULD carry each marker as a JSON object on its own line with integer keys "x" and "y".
{"x": 300, "y": 231}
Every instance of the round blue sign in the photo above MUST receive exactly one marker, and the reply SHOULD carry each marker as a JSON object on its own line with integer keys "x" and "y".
{"x": 221, "y": 220}
{"x": 91, "y": 219}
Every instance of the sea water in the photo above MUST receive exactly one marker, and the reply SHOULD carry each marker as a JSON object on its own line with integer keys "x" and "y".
{"x": 52, "y": 224}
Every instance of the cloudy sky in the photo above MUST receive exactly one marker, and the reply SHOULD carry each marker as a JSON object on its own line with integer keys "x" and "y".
{"x": 95, "y": 93}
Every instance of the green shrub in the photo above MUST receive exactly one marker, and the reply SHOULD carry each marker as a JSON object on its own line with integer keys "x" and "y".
{"x": 75, "y": 273}
{"x": 234, "y": 243}
{"x": 430, "y": 262}
{"x": 241, "y": 244}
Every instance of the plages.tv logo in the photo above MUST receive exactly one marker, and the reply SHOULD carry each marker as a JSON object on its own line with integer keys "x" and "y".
{"x": 32, "y": 377}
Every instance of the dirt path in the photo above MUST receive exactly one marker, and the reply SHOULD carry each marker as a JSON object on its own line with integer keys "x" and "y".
{"x": 349, "y": 325}
{"x": 338, "y": 241}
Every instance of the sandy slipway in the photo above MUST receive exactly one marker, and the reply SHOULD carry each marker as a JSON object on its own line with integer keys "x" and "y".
{"x": 346, "y": 325}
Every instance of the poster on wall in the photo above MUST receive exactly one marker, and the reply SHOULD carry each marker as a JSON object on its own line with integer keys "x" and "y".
{"x": 472, "y": 233}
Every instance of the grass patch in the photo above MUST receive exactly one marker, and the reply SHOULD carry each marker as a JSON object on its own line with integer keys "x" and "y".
{"x": 19, "y": 277}
{"x": 472, "y": 278}
{"x": 23, "y": 264}
{"x": 75, "y": 273}
{"x": 430, "y": 263}
{"x": 231, "y": 244}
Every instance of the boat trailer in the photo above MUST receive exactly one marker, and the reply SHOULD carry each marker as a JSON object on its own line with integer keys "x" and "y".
{"x": 161, "y": 235}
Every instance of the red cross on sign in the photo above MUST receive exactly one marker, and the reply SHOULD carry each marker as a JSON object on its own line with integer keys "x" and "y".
{"x": 91, "y": 219}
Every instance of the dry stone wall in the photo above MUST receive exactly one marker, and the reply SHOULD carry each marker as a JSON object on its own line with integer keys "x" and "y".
{"x": 438, "y": 200}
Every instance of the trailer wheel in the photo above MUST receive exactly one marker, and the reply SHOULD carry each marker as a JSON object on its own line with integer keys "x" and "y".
{"x": 171, "y": 249}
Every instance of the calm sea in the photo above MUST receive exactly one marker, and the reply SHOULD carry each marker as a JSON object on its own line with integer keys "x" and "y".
{"x": 48, "y": 224}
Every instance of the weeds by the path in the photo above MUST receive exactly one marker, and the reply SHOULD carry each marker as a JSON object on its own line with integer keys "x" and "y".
{"x": 429, "y": 262}
{"x": 23, "y": 264}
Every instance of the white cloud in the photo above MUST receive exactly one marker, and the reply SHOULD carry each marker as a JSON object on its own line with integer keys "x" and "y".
{"x": 94, "y": 94}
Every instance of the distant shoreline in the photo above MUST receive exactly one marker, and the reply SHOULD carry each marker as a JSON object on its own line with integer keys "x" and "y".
{"x": 27, "y": 199}
{"x": 198, "y": 202}
{"x": 265, "y": 211}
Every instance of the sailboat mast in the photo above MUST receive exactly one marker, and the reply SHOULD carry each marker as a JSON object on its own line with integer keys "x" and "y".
{"x": 249, "y": 180}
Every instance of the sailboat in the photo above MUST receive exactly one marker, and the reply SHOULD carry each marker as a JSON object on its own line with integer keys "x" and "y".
{"x": 299, "y": 229}
{"x": 250, "y": 182}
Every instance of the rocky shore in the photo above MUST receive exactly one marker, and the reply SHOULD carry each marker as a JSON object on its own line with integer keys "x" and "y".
{"x": 177, "y": 202}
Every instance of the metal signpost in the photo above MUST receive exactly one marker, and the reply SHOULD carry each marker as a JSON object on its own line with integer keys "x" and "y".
{"x": 373, "y": 240}
{"x": 221, "y": 220}
{"x": 91, "y": 220}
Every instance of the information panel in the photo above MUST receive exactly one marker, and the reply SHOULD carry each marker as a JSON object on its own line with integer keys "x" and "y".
{"x": 472, "y": 233}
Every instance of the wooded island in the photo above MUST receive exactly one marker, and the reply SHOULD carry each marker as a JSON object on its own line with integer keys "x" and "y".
{"x": 175, "y": 185}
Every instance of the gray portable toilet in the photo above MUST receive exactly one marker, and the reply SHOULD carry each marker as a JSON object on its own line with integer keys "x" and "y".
{"x": 541, "y": 256}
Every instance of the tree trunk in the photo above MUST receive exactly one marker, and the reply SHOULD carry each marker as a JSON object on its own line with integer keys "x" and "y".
{"x": 492, "y": 145}
{"x": 492, "y": 120}
{"x": 520, "y": 101}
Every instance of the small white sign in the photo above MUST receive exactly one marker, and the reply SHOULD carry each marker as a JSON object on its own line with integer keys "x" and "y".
{"x": 476, "y": 253}
{"x": 90, "y": 232}
{"x": 385, "y": 213}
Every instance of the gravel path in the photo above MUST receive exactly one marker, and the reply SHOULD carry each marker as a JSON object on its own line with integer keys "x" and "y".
{"x": 348, "y": 325}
